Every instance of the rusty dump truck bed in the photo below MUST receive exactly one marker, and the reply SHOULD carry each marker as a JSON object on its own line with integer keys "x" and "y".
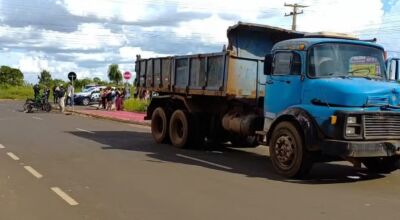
{"x": 236, "y": 72}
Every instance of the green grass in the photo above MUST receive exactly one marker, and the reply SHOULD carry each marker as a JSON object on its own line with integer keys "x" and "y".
{"x": 135, "y": 105}
{"x": 16, "y": 92}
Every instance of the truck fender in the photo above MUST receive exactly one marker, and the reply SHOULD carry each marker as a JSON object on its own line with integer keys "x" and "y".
{"x": 304, "y": 122}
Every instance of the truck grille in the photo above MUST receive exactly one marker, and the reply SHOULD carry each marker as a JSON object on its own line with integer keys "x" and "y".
{"x": 381, "y": 126}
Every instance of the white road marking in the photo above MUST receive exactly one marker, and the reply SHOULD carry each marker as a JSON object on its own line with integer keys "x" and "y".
{"x": 13, "y": 156}
{"x": 206, "y": 162}
{"x": 64, "y": 196}
{"x": 2, "y": 146}
{"x": 37, "y": 118}
{"x": 80, "y": 129}
{"x": 33, "y": 172}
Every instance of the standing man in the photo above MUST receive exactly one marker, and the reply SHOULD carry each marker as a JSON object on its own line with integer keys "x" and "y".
{"x": 56, "y": 89}
{"x": 36, "y": 90}
{"x": 61, "y": 98}
{"x": 46, "y": 93}
{"x": 70, "y": 91}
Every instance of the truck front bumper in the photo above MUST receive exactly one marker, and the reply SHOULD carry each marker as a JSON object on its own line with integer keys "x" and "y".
{"x": 361, "y": 148}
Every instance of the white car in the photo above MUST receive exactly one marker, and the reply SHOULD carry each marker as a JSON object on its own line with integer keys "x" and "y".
{"x": 89, "y": 95}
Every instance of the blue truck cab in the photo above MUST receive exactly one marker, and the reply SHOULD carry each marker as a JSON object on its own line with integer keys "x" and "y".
{"x": 330, "y": 95}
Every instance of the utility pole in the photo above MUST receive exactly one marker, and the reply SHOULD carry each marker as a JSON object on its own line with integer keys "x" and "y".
{"x": 294, "y": 13}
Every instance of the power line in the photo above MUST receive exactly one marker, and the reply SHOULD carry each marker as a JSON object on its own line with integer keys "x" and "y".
{"x": 294, "y": 13}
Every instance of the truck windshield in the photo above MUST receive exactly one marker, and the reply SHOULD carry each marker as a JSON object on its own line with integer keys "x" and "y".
{"x": 346, "y": 60}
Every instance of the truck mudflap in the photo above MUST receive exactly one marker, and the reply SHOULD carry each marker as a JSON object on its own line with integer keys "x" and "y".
{"x": 360, "y": 148}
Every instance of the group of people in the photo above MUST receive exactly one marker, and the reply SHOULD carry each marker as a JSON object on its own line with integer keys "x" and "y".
{"x": 59, "y": 92}
{"x": 61, "y": 96}
{"x": 112, "y": 98}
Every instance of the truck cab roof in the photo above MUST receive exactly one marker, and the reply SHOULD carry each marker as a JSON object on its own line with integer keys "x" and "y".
{"x": 255, "y": 40}
{"x": 307, "y": 42}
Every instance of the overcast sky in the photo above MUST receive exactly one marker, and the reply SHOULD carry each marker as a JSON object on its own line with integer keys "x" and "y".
{"x": 86, "y": 36}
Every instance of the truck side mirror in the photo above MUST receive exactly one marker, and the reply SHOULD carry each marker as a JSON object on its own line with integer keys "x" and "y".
{"x": 268, "y": 64}
{"x": 393, "y": 69}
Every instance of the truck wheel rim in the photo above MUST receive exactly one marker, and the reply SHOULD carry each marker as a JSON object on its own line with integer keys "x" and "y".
{"x": 285, "y": 151}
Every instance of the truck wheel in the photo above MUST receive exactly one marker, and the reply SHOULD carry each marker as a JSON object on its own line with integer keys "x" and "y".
{"x": 86, "y": 101}
{"x": 382, "y": 164}
{"x": 287, "y": 152}
{"x": 159, "y": 125}
{"x": 179, "y": 129}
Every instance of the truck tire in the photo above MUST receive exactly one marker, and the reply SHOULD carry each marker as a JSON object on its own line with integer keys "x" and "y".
{"x": 159, "y": 125}
{"x": 382, "y": 164}
{"x": 288, "y": 154}
{"x": 179, "y": 129}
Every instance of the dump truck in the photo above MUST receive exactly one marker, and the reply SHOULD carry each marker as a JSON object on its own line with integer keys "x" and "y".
{"x": 310, "y": 97}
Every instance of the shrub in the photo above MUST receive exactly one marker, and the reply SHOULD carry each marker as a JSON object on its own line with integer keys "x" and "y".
{"x": 16, "y": 92}
{"x": 135, "y": 105}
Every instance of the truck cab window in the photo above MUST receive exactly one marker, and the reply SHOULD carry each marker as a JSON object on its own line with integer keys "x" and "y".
{"x": 346, "y": 60}
{"x": 287, "y": 63}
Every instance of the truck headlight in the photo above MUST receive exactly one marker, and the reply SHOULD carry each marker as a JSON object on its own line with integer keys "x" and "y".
{"x": 351, "y": 120}
{"x": 350, "y": 131}
{"x": 353, "y": 126}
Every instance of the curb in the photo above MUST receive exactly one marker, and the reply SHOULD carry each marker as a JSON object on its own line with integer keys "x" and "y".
{"x": 110, "y": 118}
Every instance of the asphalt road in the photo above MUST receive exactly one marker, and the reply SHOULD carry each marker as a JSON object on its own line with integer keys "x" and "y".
{"x": 56, "y": 166}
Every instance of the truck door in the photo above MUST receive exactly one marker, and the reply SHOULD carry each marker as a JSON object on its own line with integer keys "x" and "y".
{"x": 284, "y": 84}
{"x": 393, "y": 69}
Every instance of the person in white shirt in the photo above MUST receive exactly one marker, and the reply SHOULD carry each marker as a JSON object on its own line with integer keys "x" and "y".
{"x": 70, "y": 92}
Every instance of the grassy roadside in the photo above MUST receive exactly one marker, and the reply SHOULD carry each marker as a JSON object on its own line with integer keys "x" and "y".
{"x": 16, "y": 92}
{"x": 135, "y": 105}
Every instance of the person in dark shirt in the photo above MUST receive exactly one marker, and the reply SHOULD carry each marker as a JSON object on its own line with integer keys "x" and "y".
{"x": 36, "y": 90}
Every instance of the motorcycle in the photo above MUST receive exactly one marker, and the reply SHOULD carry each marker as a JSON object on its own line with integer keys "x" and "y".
{"x": 41, "y": 104}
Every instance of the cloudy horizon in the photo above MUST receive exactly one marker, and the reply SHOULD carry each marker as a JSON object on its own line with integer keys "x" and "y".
{"x": 86, "y": 36}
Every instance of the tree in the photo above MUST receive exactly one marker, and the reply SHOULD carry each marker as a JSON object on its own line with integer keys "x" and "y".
{"x": 58, "y": 82}
{"x": 11, "y": 76}
{"x": 82, "y": 82}
{"x": 45, "y": 78}
{"x": 96, "y": 80}
{"x": 114, "y": 74}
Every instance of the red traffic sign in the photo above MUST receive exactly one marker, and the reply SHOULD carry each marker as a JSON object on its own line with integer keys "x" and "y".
{"x": 127, "y": 75}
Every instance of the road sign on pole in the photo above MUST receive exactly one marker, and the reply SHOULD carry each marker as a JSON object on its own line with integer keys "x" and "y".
{"x": 72, "y": 76}
{"x": 127, "y": 75}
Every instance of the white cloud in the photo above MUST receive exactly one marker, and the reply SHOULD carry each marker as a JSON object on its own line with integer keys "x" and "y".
{"x": 126, "y": 10}
{"x": 88, "y": 36}
{"x": 99, "y": 43}
{"x": 129, "y": 53}
{"x": 212, "y": 29}
{"x": 340, "y": 15}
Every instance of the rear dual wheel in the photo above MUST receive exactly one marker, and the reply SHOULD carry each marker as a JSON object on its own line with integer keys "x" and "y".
{"x": 179, "y": 127}
{"x": 159, "y": 125}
